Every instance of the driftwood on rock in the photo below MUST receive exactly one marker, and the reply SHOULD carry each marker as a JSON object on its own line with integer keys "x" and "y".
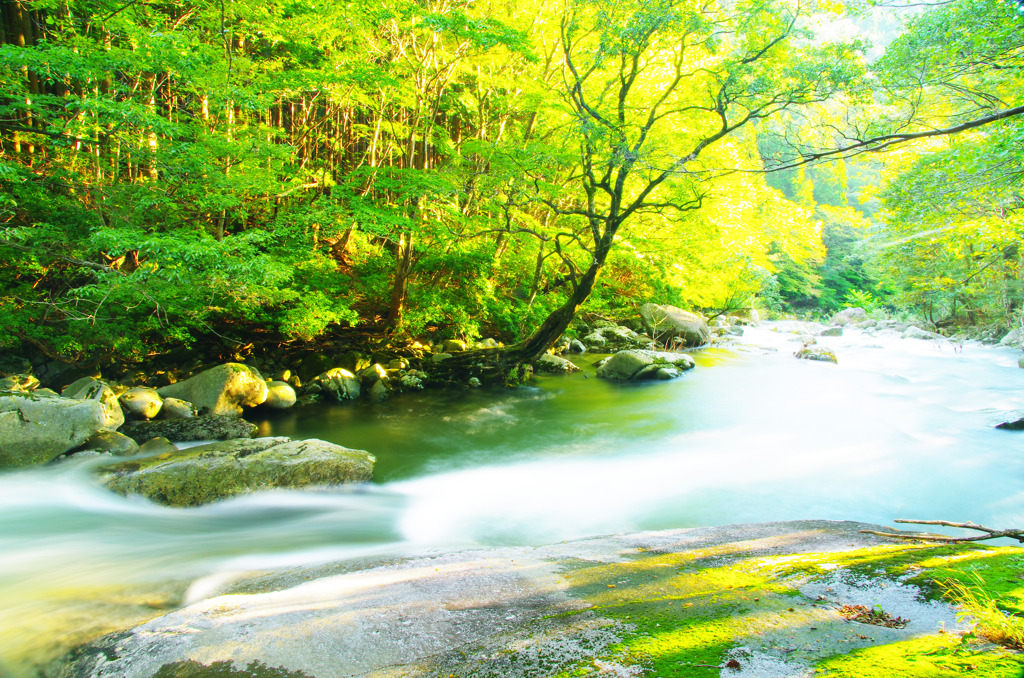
{"x": 989, "y": 533}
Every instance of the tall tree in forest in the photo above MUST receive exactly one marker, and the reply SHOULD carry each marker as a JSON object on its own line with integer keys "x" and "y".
{"x": 646, "y": 90}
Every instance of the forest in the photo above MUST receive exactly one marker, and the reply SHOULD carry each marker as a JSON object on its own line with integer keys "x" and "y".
{"x": 229, "y": 171}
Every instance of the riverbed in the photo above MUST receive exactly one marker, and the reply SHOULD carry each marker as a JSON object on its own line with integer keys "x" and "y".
{"x": 900, "y": 428}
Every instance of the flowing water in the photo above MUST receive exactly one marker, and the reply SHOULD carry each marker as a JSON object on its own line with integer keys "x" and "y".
{"x": 899, "y": 429}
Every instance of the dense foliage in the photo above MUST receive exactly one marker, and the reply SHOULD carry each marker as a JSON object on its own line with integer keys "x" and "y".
{"x": 174, "y": 172}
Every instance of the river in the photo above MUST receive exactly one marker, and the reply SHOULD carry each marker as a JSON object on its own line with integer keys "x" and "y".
{"x": 901, "y": 428}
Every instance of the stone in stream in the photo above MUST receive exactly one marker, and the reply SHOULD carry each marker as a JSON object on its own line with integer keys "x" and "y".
{"x": 914, "y": 332}
{"x": 19, "y": 383}
{"x": 609, "y": 337}
{"x": 111, "y": 442}
{"x": 341, "y": 384}
{"x": 848, "y": 316}
{"x": 280, "y": 395}
{"x": 553, "y": 364}
{"x": 635, "y": 365}
{"x": 35, "y": 430}
{"x": 184, "y": 430}
{"x": 668, "y": 323}
{"x": 222, "y": 390}
{"x": 817, "y": 352}
{"x": 141, "y": 402}
{"x": 208, "y": 473}
{"x": 175, "y": 408}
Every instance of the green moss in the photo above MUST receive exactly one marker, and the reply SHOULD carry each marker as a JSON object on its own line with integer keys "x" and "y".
{"x": 925, "y": 657}
{"x": 686, "y": 611}
{"x": 191, "y": 669}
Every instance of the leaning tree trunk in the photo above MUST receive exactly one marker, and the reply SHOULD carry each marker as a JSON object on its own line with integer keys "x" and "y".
{"x": 512, "y": 364}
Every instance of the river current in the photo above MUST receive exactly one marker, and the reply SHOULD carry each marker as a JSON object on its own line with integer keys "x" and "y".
{"x": 900, "y": 428}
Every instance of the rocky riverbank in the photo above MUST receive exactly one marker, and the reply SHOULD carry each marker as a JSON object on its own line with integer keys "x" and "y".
{"x": 765, "y": 601}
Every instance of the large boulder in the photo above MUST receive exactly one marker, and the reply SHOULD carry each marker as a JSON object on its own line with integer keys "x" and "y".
{"x": 222, "y": 390}
{"x": 1014, "y": 337}
{"x": 88, "y": 388}
{"x": 667, "y": 323}
{"x": 848, "y": 316}
{"x": 634, "y": 365}
{"x": 35, "y": 430}
{"x": 207, "y": 473}
{"x": 184, "y": 430}
{"x": 141, "y": 402}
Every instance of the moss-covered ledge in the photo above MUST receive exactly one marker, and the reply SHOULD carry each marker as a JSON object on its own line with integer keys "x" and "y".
{"x": 748, "y": 600}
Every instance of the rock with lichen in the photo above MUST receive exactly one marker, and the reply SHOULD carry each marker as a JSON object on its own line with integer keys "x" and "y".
{"x": 207, "y": 473}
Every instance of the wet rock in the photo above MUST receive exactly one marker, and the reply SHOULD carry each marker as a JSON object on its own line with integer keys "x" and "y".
{"x": 280, "y": 395}
{"x": 14, "y": 365}
{"x": 207, "y": 427}
{"x": 848, "y": 316}
{"x": 668, "y": 323}
{"x": 111, "y": 442}
{"x": 141, "y": 402}
{"x": 157, "y": 445}
{"x": 208, "y": 473}
{"x": 223, "y": 390}
{"x": 608, "y": 336}
{"x": 1020, "y": 361}
{"x": 634, "y": 365}
{"x": 913, "y": 332}
{"x": 452, "y": 346}
{"x": 488, "y": 343}
{"x": 831, "y": 332}
{"x": 176, "y": 408}
{"x": 35, "y": 430}
{"x": 552, "y": 364}
{"x": 380, "y": 391}
{"x": 88, "y": 388}
{"x": 370, "y": 375}
{"x": 817, "y": 352}
{"x": 19, "y": 383}
{"x": 576, "y": 346}
{"x": 1013, "y": 338}
{"x": 339, "y": 383}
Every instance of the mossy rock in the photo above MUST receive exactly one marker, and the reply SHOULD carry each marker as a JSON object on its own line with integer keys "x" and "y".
{"x": 208, "y": 473}
{"x": 186, "y": 430}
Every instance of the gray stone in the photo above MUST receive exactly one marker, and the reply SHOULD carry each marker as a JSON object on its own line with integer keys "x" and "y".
{"x": 488, "y": 343}
{"x": 438, "y": 357}
{"x": 380, "y": 391}
{"x": 831, "y": 332}
{"x": 280, "y": 395}
{"x": 611, "y": 337}
{"x": 368, "y": 376}
{"x": 88, "y": 388}
{"x": 633, "y": 364}
{"x": 155, "y": 446}
{"x": 341, "y": 384}
{"x": 19, "y": 383}
{"x": 1020, "y": 361}
{"x": 453, "y": 346}
{"x": 917, "y": 333}
{"x": 208, "y": 473}
{"x": 848, "y": 316}
{"x": 576, "y": 346}
{"x": 141, "y": 402}
{"x": 552, "y": 364}
{"x": 816, "y": 352}
{"x": 176, "y": 408}
{"x": 222, "y": 390}
{"x": 208, "y": 427}
{"x": 1013, "y": 338}
{"x": 35, "y": 430}
{"x": 111, "y": 442}
{"x": 668, "y": 323}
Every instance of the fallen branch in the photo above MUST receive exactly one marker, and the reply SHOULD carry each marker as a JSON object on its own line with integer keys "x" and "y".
{"x": 1017, "y": 534}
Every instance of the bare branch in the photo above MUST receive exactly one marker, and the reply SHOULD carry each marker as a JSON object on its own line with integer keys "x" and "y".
{"x": 990, "y": 533}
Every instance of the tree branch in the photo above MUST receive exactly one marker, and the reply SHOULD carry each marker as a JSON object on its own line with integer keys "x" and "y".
{"x": 990, "y": 533}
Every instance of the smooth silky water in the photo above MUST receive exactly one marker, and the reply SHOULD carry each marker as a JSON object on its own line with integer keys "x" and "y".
{"x": 899, "y": 429}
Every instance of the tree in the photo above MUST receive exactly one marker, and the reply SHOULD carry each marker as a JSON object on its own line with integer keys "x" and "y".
{"x": 646, "y": 91}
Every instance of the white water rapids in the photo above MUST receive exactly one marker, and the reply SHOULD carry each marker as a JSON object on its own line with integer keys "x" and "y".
{"x": 900, "y": 428}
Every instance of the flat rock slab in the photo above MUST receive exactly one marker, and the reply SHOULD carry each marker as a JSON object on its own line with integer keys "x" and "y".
{"x": 209, "y": 427}
{"x": 764, "y": 598}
